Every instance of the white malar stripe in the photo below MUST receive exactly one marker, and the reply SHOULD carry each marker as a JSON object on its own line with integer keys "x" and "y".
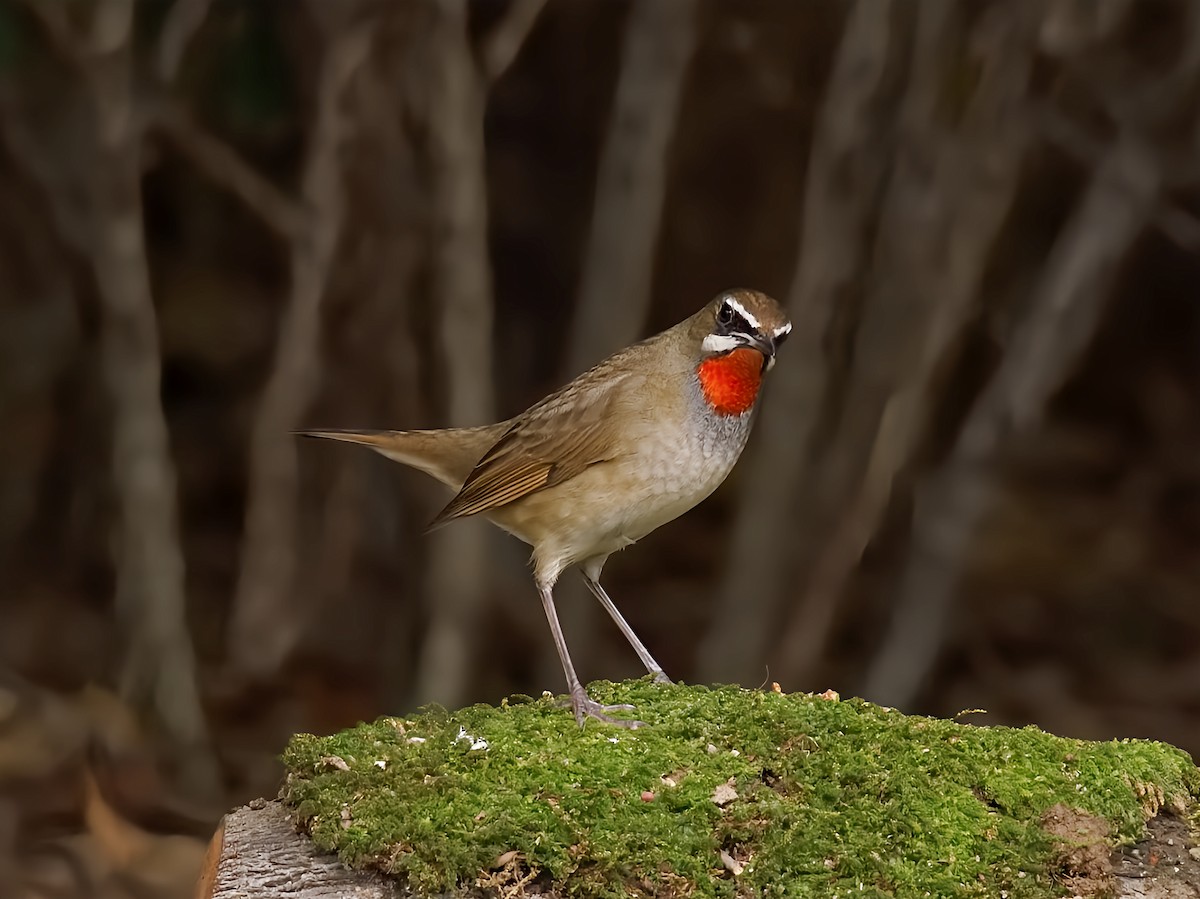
{"x": 750, "y": 319}
{"x": 720, "y": 343}
{"x": 782, "y": 330}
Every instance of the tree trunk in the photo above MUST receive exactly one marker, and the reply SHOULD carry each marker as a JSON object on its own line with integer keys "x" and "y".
{"x": 631, "y": 188}
{"x": 953, "y": 187}
{"x": 458, "y": 574}
{"x": 158, "y": 669}
{"x": 1061, "y": 320}
{"x": 266, "y": 621}
{"x": 841, "y": 201}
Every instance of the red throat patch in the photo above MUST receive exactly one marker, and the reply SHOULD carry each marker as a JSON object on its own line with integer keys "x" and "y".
{"x": 730, "y": 382}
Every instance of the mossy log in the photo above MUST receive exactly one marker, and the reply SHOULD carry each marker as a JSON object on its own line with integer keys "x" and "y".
{"x": 724, "y": 792}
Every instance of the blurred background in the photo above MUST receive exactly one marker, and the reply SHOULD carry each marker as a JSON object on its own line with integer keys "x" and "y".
{"x": 976, "y": 479}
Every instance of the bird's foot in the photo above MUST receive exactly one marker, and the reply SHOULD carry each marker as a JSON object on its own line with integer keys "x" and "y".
{"x": 585, "y": 707}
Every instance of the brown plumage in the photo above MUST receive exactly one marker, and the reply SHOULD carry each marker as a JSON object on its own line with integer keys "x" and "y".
{"x": 624, "y": 448}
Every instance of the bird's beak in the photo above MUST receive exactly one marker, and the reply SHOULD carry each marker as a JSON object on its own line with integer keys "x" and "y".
{"x": 764, "y": 345}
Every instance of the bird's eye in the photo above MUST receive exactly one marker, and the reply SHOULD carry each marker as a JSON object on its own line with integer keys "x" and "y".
{"x": 725, "y": 315}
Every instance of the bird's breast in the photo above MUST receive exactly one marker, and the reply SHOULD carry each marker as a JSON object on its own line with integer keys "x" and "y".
{"x": 730, "y": 382}
{"x": 680, "y": 464}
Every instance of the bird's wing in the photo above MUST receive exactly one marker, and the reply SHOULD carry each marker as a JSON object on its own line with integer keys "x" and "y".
{"x": 550, "y": 443}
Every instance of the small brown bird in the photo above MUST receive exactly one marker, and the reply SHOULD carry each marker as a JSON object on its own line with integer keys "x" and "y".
{"x": 626, "y": 447}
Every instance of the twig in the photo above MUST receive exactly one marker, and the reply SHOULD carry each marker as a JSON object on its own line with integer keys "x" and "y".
{"x": 70, "y": 218}
{"x": 111, "y": 28}
{"x": 1180, "y": 226}
{"x": 181, "y": 25}
{"x": 52, "y": 14}
{"x": 504, "y": 42}
{"x": 1177, "y": 223}
{"x": 226, "y": 168}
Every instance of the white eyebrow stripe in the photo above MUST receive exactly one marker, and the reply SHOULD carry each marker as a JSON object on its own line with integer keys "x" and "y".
{"x": 750, "y": 319}
{"x": 782, "y": 329}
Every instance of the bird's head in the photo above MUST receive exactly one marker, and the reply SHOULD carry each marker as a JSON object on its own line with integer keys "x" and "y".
{"x": 741, "y": 331}
{"x": 745, "y": 318}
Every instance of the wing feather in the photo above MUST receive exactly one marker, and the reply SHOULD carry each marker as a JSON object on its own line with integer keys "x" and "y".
{"x": 550, "y": 443}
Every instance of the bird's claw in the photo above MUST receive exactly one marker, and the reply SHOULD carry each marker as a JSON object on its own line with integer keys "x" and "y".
{"x": 585, "y": 707}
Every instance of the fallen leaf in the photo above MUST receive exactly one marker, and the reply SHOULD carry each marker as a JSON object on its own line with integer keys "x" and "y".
{"x": 731, "y": 864}
{"x": 724, "y": 793}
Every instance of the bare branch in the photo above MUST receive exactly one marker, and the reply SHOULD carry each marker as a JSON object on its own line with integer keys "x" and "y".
{"x": 618, "y": 268}
{"x": 1061, "y": 321}
{"x": 462, "y": 282}
{"x": 158, "y": 668}
{"x": 226, "y": 168}
{"x": 659, "y": 41}
{"x": 841, "y": 200}
{"x": 1177, "y": 223}
{"x": 181, "y": 25}
{"x": 67, "y": 43}
{"x": 1070, "y": 26}
{"x": 264, "y": 628}
{"x": 504, "y": 42}
{"x": 112, "y": 27}
{"x": 70, "y": 217}
{"x": 935, "y": 244}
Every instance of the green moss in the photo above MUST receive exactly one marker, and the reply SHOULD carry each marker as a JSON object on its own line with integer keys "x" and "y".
{"x": 832, "y": 798}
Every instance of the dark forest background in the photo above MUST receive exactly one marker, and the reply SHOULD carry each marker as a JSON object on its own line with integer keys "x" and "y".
{"x": 976, "y": 479}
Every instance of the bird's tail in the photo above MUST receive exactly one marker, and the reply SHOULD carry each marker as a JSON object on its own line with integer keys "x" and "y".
{"x": 448, "y": 454}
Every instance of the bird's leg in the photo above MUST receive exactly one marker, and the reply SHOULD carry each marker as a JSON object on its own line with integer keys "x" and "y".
{"x": 643, "y": 653}
{"x": 582, "y": 705}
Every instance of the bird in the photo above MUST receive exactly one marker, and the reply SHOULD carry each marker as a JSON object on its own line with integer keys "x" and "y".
{"x": 629, "y": 445}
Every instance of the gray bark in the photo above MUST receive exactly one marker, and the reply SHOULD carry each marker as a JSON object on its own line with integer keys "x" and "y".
{"x": 257, "y": 853}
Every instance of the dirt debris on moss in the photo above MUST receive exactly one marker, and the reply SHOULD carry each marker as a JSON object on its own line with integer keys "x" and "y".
{"x": 726, "y": 792}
